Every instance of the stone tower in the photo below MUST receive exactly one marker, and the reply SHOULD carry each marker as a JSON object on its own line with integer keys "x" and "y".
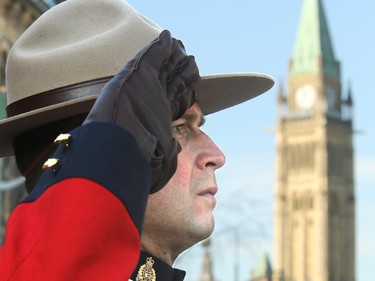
{"x": 207, "y": 270}
{"x": 314, "y": 185}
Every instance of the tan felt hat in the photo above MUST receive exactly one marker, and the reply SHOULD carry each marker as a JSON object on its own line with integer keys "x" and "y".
{"x": 58, "y": 66}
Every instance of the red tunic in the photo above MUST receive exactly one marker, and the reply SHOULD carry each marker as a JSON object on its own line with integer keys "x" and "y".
{"x": 83, "y": 220}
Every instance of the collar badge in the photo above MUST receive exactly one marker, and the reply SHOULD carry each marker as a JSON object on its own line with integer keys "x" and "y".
{"x": 146, "y": 272}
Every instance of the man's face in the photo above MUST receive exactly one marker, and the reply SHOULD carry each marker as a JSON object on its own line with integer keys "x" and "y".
{"x": 180, "y": 214}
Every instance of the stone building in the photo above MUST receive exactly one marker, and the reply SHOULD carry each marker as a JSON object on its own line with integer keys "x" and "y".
{"x": 314, "y": 194}
{"x": 15, "y": 17}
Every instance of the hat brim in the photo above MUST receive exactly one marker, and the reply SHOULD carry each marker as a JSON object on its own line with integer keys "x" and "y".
{"x": 218, "y": 92}
{"x": 213, "y": 93}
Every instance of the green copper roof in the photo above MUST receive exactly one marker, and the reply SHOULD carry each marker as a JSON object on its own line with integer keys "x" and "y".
{"x": 2, "y": 105}
{"x": 313, "y": 42}
{"x": 263, "y": 267}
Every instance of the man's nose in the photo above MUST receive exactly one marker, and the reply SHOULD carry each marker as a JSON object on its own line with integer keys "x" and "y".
{"x": 211, "y": 156}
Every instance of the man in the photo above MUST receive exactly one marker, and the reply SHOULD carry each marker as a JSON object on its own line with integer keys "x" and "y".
{"x": 85, "y": 213}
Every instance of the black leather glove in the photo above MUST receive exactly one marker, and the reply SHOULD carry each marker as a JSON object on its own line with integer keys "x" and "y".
{"x": 152, "y": 90}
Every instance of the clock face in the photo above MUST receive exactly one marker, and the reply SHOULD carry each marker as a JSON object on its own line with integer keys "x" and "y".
{"x": 305, "y": 96}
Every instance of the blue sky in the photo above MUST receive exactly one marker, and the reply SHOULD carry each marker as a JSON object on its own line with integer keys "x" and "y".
{"x": 248, "y": 35}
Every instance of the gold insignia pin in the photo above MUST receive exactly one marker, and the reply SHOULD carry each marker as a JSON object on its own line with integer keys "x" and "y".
{"x": 50, "y": 164}
{"x": 146, "y": 272}
{"x": 63, "y": 138}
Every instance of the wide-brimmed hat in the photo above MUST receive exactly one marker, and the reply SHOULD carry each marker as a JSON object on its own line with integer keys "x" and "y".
{"x": 58, "y": 66}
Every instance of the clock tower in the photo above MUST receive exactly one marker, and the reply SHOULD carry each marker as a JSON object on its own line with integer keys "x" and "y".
{"x": 314, "y": 185}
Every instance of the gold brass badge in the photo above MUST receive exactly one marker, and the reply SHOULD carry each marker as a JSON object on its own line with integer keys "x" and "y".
{"x": 146, "y": 272}
{"x": 50, "y": 164}
{"x": 63, "y": 139}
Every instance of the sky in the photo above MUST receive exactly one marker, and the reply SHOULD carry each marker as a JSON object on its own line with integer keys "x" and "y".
{"x": 259, "y": 36}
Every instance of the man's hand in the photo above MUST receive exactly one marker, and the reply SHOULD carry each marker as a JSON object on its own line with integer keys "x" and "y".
{"x": 152, "y": 90}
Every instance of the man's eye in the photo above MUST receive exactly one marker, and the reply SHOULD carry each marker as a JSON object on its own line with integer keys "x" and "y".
{"x": 179, "y": 129}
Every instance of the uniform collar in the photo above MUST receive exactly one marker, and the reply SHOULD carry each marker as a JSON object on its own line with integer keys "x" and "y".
{"x": 156, "y": 267}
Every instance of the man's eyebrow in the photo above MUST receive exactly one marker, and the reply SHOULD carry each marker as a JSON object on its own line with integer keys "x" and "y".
{"x": 191, "y": 117}
{"x": 202, "y": 121}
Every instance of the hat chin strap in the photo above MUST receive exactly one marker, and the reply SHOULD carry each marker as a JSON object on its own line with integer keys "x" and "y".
{"x": 56, "y": 96}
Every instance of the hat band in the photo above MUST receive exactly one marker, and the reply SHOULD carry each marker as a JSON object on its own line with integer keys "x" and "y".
{"x": 56, "y": 96}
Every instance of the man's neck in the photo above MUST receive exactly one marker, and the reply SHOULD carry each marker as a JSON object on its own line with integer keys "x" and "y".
{"x": 160, "y": 251}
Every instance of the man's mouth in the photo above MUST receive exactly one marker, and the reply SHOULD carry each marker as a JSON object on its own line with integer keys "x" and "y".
{"x": 209, "y": 192}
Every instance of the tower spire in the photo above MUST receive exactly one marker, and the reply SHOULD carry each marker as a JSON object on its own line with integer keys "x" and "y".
{"x": 314, "y": 188}
{"x": 313, "y": 48}
{"x": 262, "y": 270}
{"x": 207, "y": 272}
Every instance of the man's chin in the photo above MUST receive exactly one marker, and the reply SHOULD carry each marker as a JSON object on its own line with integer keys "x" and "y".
{"x": 208, "y": 228}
